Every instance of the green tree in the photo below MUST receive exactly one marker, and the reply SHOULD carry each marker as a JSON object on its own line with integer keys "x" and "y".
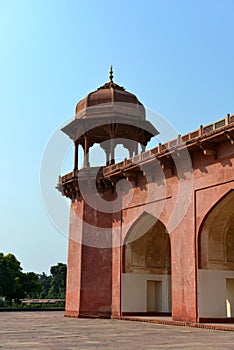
{"x": 14, "y": 284}
{"x": 58, "y": 281}
{"x": 45, "y": 282}
{"x": 10, "y": 277}
{"x": 31, "y": 285}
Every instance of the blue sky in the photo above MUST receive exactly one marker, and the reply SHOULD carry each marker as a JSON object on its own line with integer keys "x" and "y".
{"x": 176, "y": 56}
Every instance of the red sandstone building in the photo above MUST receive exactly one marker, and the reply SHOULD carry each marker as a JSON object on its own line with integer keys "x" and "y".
{"x": 154, "y": 233}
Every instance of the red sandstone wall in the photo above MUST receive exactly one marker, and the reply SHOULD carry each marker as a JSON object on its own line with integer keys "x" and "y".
{"x": 89, "y": 281}
{"x": 212, "y": 178}
{"x": 94, "y": 274}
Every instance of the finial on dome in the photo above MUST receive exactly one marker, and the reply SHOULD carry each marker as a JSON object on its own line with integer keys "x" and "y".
{"x": 111, "y": 74}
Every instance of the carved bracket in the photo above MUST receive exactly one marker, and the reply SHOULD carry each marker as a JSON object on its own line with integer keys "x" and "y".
{"x": 229, "y": 137}
{"x": 209, "y": 149}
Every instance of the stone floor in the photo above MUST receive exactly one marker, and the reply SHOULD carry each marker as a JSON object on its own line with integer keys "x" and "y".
{"x": 168, "y": 321}
{"x": 50, "y": 330}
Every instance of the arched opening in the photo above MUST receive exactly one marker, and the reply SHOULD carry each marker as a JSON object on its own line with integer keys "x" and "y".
{"x": 121, "y": 153}
{"x": 146, "y": 274}
{"x": 216, "y": 261}
{"x": 96, "y": 156}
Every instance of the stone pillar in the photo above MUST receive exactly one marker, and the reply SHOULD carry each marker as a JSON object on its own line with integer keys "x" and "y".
{"x": 86, "y": 152}
{"x": 112, "y": 151}
{"x": 131, "y": 148}
{"x": 136, "y": 149}
{"x": 106, "y": 147}
{"x": 76, "y": 158}
{"x": 112, "y": 129}
{"x": 91, "y": 272}
{"x": 183, "y": 269}
{"x": 72, "y": 308}
{"x": 116, "y": 266}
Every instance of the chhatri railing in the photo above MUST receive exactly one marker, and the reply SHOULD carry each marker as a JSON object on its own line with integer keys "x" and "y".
{"x": 187, "y": 138}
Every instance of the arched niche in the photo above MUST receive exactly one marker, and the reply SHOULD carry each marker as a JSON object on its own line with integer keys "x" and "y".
{"x": 216, "y": 261}
{"x": 147, "y": 247}
{"x": 146, "y": 277}
{"x": 216, "y": 236}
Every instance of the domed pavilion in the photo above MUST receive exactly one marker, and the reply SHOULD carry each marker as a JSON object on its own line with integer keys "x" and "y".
{"x": 108, "y": 116}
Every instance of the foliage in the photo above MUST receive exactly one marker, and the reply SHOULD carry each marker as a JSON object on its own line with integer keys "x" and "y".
{"x": 11, "y": 277}
{"x": 58, "y": 281}
{"x": 15, "y": 284}
{"x": 31, "y": 285}
{"x": 54, "y": 285}
{"x": 45, "y": 284}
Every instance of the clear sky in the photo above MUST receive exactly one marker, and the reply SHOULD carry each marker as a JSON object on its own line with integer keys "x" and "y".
{"x": 177, "y": 56}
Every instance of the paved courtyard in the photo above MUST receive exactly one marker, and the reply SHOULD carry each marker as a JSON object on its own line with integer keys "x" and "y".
{"x": 50, "y": 330}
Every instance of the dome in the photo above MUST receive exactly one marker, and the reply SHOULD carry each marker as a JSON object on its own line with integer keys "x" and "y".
{"x": 109, "y": 93}
{"x": 110, "y": 112}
